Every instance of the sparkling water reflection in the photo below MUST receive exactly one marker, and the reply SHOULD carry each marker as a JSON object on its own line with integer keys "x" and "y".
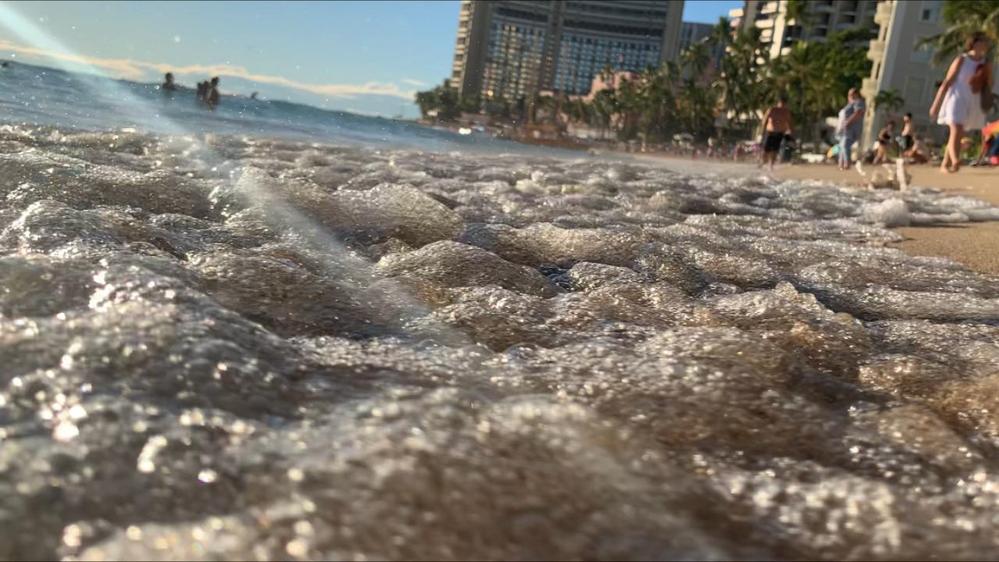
{"x": 540, "y": 358}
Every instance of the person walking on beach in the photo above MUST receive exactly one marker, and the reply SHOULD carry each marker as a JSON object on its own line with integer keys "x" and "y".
{"x": 851, "y": 123}
{"x": 964, "y": 97}
{"x": 776, "y": 126}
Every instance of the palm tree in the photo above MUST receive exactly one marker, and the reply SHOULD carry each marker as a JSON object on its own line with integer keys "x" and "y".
{"x": 798, "y": 12}
{"x": 721, "y": 34}
{"x": 427, "y": 102}
{"x": 889, "y": 100}
{"x": 739, "y": 83}
{"x": 963, "y": 17}
{"x": 605, "y": 106}
{"x": 442, "y": 101}
{"x": 695, "y": 59}
{"x": 546, "y": 105}
{"x": 832, "y": 68}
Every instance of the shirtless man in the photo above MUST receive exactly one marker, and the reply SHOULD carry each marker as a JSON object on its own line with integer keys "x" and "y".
{"x": 776, "y": 124}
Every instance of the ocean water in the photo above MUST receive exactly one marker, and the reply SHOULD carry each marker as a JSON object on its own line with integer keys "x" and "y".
{"x": 45, "y": 96}
{"x": 258, "y": 335}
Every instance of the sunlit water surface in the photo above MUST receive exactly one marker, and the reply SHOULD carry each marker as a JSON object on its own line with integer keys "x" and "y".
{"x": 332, "y": 336}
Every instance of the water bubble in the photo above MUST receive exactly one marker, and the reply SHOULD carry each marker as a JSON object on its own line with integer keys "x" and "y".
{"x": 65, "y": 431}
{"x": 207, "y": 476}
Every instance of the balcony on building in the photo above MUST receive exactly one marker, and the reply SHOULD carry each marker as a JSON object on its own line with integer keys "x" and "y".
{"x": 876, "y": 50}
{"x": 883, "y": 14}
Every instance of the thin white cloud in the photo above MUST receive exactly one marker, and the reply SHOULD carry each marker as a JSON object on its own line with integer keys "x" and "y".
{"x": 413, "y": 82}
{"x": 137, "y": 70}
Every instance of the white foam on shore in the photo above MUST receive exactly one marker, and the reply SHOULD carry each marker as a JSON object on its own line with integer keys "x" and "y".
{"x": 651, "y": 363}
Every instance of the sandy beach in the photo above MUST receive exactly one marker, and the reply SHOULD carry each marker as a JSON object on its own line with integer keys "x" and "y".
{"x": 972, "y": 244}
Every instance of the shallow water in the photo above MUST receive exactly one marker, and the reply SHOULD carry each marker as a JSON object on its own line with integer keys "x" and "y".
{"x": 246, "y": 348}
{"x": 35, "y": 96}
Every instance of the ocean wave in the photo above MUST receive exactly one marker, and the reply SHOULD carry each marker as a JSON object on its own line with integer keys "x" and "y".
{"x": 245, "y": 347}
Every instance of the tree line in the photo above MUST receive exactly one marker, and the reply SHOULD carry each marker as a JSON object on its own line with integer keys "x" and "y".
{"x": 726, "y": 98}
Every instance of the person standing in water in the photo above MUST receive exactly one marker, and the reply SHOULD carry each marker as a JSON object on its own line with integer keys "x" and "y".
{"x": 851, "y": 124}
{"x": 212, "y": 96}
{"x": 959, "y": 103}
{"x": 776, "y": 125}
{"x": 168, "y": 83}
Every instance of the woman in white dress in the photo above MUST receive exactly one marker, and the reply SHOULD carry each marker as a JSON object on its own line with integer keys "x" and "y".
{"x": 958, "y": 103}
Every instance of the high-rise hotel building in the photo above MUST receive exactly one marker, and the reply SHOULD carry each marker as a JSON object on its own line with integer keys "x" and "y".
{"x": 515, "y": 48}
{"x": 901, "y": 61}
{"x": 778, "y": 32}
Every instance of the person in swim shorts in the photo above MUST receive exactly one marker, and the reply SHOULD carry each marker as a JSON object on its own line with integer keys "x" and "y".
{"x": 776, "y": 125}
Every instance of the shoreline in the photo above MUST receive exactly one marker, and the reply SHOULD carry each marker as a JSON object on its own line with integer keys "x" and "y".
{"x": 974, "y": 245}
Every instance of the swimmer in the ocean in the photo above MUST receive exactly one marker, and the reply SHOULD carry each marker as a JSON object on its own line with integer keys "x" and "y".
{"x": 253, "y": 96}
{"x": 212, "y": 96}
{"x": 168, "y": 83}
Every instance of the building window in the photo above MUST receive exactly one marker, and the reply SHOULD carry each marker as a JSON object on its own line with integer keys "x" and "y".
{"x": 930, "y": 10}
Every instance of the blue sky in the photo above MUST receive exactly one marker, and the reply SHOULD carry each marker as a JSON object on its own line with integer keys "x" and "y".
{"x": 365, "y": 56}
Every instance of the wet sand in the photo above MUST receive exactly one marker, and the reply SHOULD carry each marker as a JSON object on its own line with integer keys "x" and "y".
{"x": 976, "y": 245}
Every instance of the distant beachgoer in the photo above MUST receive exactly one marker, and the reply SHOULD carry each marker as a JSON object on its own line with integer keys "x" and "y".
{"x": 776, "y": 126}
{"x": 202, "y": 90}
{"x": 908, "y": 132}
{"x": 918, "y": 153}
{"x": 959, "y": 102}
{"x": 212, "y": 96}
{"x": 884, "y": 142}
{"x": 851, "y": 123}
{"x": 168, "y": 83}
{"x": 990, "y": 145}
{"x": 253, "y": 96}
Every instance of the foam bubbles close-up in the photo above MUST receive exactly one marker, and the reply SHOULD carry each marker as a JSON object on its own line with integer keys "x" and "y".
{"x": 261, "y": 349}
